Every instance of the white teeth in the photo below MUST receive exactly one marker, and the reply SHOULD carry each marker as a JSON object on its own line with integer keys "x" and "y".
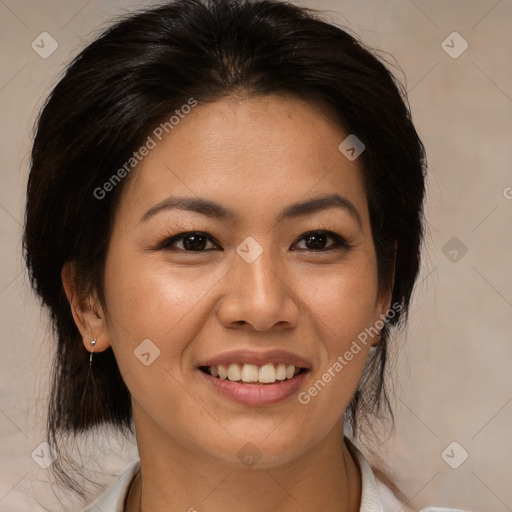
{"x": 281, "y": 371}
{"x": 234, "y": 372}
{"x": 266, "y": 374}
{"x": 223, "y": 373}
{"x": 249, "y": 373}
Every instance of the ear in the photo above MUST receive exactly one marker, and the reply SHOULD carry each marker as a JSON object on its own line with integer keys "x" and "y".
{"x": 383, "y": 302}
{"x": 86, "y": 310}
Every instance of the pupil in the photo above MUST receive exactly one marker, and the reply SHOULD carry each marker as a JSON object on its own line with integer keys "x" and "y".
{"x": 316, "y": 240}
{"x": 194, "y": 242}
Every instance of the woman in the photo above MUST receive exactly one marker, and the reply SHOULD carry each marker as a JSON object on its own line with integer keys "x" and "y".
{"x": 224, "y": 218}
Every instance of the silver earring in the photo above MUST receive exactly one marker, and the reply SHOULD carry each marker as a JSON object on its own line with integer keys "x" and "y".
{"x": 93, "y": 342}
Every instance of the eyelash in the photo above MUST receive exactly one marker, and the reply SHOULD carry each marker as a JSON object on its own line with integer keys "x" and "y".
{"x": 339, "y": 242}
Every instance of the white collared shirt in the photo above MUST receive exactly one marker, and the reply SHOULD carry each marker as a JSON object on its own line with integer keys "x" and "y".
{"x": 114, "y": 498}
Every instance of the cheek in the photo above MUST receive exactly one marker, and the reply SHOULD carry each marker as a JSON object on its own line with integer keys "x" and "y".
{"x": 342, "y": 308}
{"x": 154, "y": 300}
{"x": 341, "y": 301}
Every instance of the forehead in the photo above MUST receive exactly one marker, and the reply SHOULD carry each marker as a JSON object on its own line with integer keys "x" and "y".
{"x": 253, "y": 153}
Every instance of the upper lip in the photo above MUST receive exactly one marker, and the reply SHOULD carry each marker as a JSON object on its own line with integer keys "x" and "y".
{"x": 275, "y": 356}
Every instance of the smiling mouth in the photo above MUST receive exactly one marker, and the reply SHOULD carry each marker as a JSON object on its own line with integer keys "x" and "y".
{"x": 268, "y": 373}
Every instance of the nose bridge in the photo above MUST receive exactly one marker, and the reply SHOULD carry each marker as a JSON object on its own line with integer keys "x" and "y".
{"x": 258, "y": 293}
{"x": 258, "y": 273}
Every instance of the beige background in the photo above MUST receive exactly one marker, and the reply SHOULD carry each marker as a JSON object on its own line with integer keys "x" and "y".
{"x": 453, "y": 369}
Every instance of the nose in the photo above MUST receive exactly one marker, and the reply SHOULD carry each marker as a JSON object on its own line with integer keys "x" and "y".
{"x": 259, "y": 295}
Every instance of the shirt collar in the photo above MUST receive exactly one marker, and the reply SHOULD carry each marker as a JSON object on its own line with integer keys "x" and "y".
{"x": 370, "y": 497}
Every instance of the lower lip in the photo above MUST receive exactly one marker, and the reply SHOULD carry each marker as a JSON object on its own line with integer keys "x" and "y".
{"x": 256, "y": 394}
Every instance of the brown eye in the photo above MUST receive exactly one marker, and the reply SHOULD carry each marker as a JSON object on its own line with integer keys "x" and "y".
{"x": 191, "y": 242}
{"x": 317, "y": 240}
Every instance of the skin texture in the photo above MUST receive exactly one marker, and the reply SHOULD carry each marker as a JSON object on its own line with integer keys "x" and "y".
{"x": 255, "y": 156}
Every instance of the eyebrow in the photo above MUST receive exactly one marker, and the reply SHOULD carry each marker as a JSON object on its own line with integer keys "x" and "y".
{"x": 217, "y": 211}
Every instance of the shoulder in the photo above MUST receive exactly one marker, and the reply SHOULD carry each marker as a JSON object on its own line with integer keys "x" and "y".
{"x": 377, "y": 496}
{"x": 113, "y": 498}
{"x": 390, "y": 503}
{"x": 442, "y": 509}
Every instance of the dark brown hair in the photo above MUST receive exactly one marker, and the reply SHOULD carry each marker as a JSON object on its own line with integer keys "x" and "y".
{"x": 138, "y": 72}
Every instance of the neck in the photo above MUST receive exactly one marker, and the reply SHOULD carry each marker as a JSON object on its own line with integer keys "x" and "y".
{"x": 176, "y": 479}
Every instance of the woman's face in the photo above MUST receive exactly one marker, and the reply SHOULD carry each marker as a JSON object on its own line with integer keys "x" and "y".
{"x": 256, "y": 283}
